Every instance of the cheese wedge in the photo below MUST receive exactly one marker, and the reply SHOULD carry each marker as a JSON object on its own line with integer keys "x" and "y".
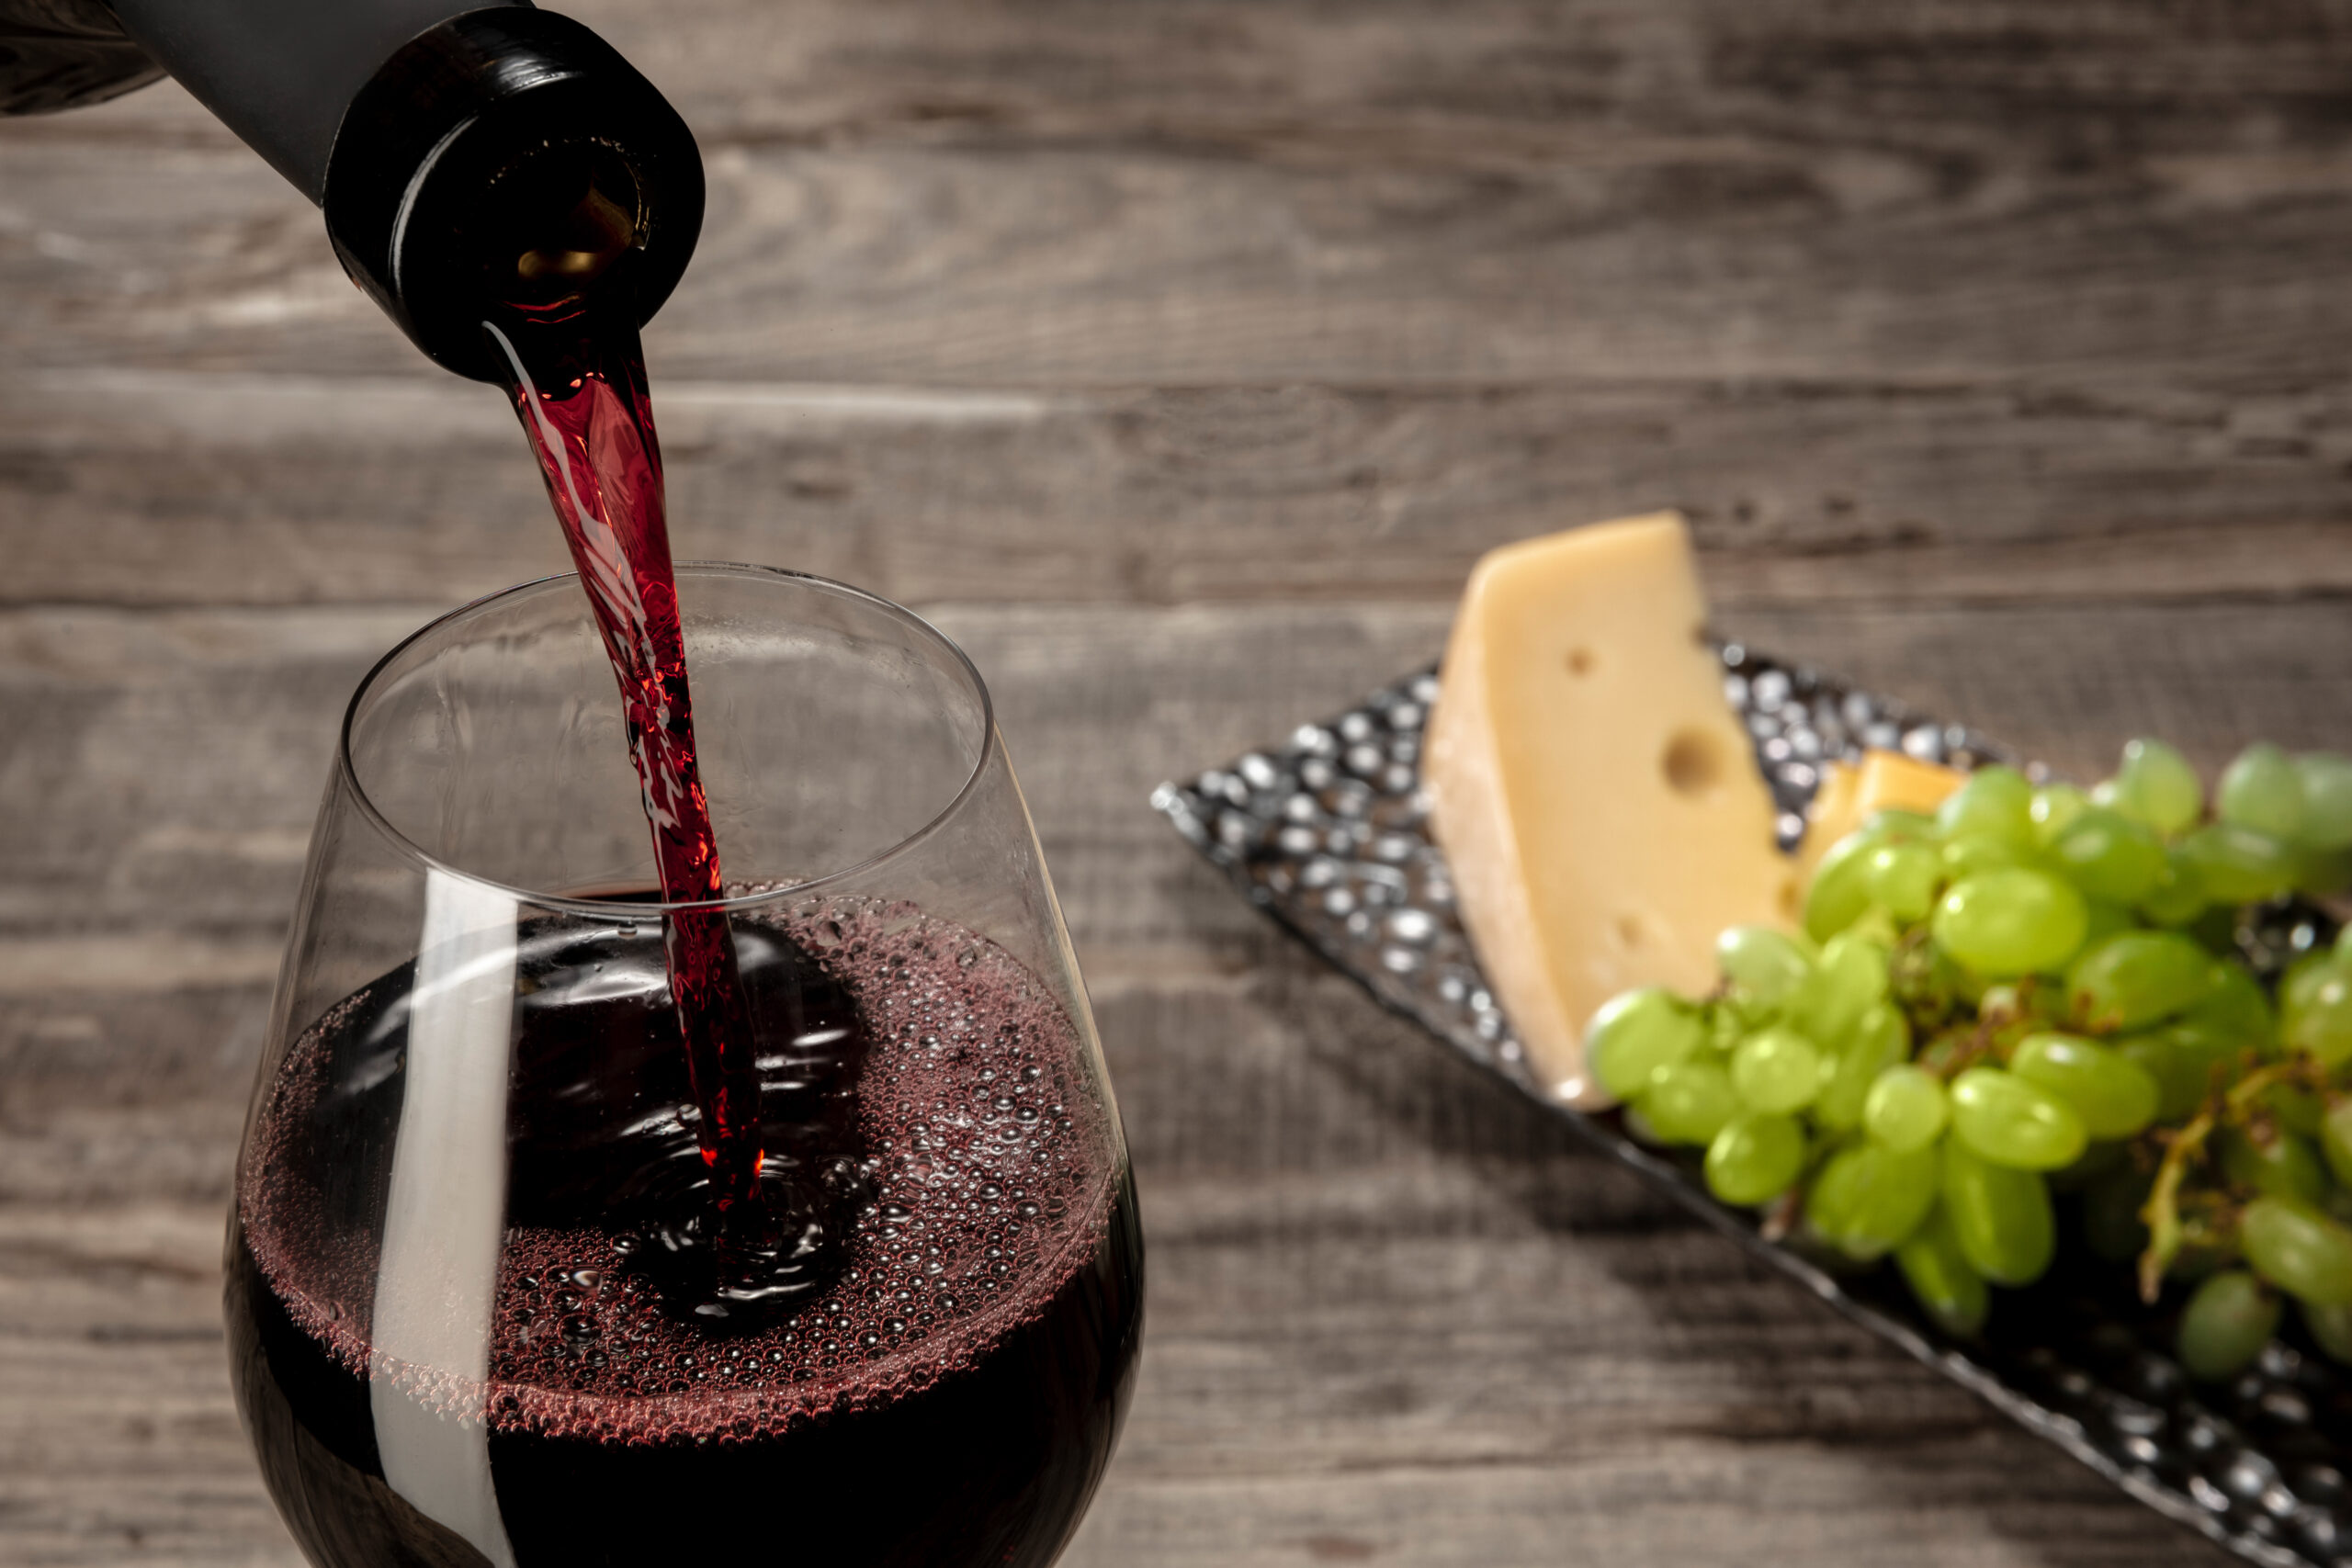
{"x": 1595, "y": 797}
{"x": 1850, "y": 793}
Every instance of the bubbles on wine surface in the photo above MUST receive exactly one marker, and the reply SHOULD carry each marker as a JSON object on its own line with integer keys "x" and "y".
{"x": 984, "y": 1170}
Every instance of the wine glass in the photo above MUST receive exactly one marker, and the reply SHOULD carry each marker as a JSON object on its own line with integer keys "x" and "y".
{"x": 474, "y": 1277}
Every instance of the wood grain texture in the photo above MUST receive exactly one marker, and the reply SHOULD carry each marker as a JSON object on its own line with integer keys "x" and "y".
{"x": 296, "y": 489}
{"x": 1211, "y": 193}
{"x": 1180, "y": 356}
{"x": 1194, "y": 299}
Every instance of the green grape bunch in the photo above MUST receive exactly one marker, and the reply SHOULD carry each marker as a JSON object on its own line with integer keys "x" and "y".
{"x": 2036, "y": 995}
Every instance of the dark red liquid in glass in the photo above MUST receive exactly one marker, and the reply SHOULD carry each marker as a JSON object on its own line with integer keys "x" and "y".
{"x": 949, "y": 1384}
{"x": 577, "y": 381}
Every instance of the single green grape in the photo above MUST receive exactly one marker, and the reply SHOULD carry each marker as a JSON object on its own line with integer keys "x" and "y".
{"x": 2235, "y": 1009}
{"x": 2283, "y": 1165}
{"x": 1755, "y": 1158}
{"x": 2336, "y": 1140}
{"x": 2001, "y": 1216}
{"x": 2136, "y": 978}
{"x": 2238, "y": 865}
{"x": 1906, "y": 1109}
{"x": 1776, "y": 1070}
{"x": 2263, "y": 790}
{"x": 2228, "y": 1320}
{"x": 1880, "y": 1039}
{"x": 2003, "y": 923}
{"x": 1690, "y": 1100}
{"x": 2299, "y": 1249}
{"x": 1764, "y": 963}
{"x": 2156, "y": 785}
{"x": 2055, "y": 806}
{"x": 2114, "y": 1096}
{"x": 2218, "y": 1060}
{"x": 2327, "y": 800}
{"x": 1841, "y": 893}
{"x": 1636, "y": 1033}
{"x": 2005, "y": 1120}
{"x": 1946, "y": 1285}
{"x": 1868, "y": 1197}
{"x": 2181, "y": 1058}
{"x": 1981, "y": 852}
{"x": 2112, "y": 1205}
{"x": 1904, "y": 879}
{"x": 2331, "y": 1329}
{"x": 2109, "y": 855}
{"x": 2315, "y": 1009}
{"x": 1850, "y": 976}
{"x": 1993, "y": 803}
{"x": 2179, "y": 894}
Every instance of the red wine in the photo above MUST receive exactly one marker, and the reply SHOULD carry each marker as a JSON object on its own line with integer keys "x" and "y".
{"x": 949, "y": 1380}
{"x": 577, "y": 381}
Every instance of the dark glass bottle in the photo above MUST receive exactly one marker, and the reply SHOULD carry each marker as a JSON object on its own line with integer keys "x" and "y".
{"x": 462, "y": 158}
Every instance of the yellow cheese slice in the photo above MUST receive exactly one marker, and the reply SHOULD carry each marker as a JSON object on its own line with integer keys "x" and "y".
{"x": 1850, "y": 793}
{"x": 1595, "y": 797}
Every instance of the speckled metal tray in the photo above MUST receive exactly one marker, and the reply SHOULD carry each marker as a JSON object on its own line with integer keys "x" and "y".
{"x": 1326, "y": 833}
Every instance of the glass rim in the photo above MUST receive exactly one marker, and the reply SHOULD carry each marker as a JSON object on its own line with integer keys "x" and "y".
{"x": 650, "y": 908}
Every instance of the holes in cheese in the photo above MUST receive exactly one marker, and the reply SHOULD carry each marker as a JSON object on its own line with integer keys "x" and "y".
{"x": 1694, "y": 762}
{"x": 1592, "y": 790}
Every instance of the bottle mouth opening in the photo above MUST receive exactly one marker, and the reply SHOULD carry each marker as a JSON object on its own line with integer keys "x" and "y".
{"x": 509, "y": 157}
{"x": 562, "y": 218}
{"x": 589, "y": 900}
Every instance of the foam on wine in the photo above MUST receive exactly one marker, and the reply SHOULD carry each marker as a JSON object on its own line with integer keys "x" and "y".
{"x": 991, "y": 1172}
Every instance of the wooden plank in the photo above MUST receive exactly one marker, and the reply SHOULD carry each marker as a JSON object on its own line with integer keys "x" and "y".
{"x": 1396, "y": 1311}
{"x": 1048, "y": 266}
{"x": 1206, "y": 300}
{"x": 293, "y": 489}
{"x": 2077, "y": 198}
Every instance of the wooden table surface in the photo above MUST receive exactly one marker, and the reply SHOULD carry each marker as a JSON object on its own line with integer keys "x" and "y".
{"x": 1178, "y": 356}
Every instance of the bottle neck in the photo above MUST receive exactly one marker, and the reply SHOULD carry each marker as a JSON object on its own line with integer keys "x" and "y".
{"x": 279, "y": 73}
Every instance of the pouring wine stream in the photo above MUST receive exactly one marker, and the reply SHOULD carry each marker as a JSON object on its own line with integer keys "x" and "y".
{"x": 577, "y": 376}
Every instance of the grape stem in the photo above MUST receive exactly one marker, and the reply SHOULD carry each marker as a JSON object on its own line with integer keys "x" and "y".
{"x": 2240, "y": 1105}
{"x": 2161, "y": 1214}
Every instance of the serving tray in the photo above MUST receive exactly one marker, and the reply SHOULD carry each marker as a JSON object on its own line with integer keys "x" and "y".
{"x": 1328, "y": 833}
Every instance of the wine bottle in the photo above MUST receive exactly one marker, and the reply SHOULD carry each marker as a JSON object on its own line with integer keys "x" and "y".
{"x": 462, "y": 160}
